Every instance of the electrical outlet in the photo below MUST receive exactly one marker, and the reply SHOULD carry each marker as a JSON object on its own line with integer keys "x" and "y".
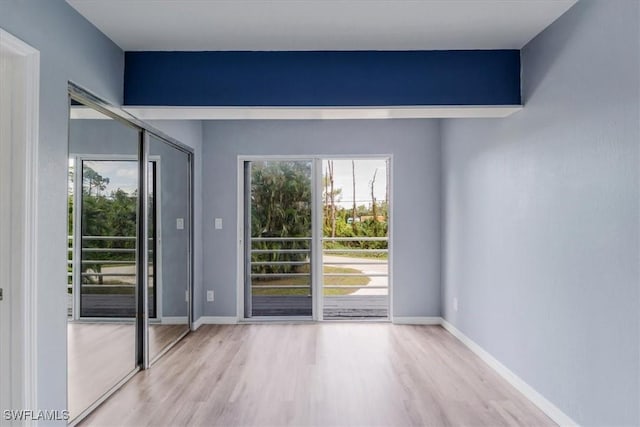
{"x": 186, "y": 295}
{"x": 455, "y": 303}
{"x": 209, "y": 296}
{"x": 179, "y": 223}
{"x": 218, "y": 223}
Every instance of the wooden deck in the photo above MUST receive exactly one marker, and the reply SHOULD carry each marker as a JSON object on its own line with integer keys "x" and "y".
{"x": 335, "y": 307}
{"x": 356, "y": 306}
{"x": 97, "y": 305}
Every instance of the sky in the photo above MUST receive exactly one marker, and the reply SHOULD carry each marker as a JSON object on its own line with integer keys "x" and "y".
{"x": 364, "y": 168}
{"x": 124, "y": 175}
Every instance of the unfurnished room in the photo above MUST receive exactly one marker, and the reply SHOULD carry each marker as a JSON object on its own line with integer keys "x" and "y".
{"x": 331, "y": 213}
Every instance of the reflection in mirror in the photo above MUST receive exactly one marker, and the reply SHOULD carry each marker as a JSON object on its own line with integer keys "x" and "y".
{"x": 102, "y": 228}
{"x": 169, "y": 247}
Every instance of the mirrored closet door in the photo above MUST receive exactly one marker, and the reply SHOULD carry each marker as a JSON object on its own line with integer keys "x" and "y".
{"x": 129, "y": 261}
{"x": 103, "y": 193}
{"x": 169, "y": 229}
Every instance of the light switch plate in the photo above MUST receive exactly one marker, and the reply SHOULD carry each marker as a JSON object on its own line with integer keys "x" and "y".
{"x": 218, "y": 223}
{"x": 180, "y": 223}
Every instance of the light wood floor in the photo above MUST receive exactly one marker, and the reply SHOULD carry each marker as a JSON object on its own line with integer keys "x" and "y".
{"x": 99, "y": 355}
{"x": 331, "y": 374}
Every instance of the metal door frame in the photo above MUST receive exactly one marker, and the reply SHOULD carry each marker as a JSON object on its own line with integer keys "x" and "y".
{"x": 244, "y": 243}
{"x": 317, "y": 236}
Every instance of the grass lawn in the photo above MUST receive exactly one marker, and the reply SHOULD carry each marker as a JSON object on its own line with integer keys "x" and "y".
{"x": 374, "y": 255}
{"x": 356, "y": 281}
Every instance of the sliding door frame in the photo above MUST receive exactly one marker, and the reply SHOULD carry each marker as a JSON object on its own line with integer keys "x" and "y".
{"x": 77, "y": 230}
{"x": 317, "y": 231}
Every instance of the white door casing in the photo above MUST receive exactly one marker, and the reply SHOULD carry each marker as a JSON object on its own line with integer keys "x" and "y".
{"x": 19, "y": 90}
{"x": 6, "y": 63}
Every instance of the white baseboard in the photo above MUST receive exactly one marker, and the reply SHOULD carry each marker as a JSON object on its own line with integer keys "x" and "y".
{"x": 174, "y": 320}
{"x": 422, "y": 320}
{"x": 215, "y": 320}
{"x": 529, "y": 392}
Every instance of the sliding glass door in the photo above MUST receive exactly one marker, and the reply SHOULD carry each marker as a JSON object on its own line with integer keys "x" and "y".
{"x": 316, "y": 238}
{"x": 278, "y": 247}
{"x": 355, "y": 239}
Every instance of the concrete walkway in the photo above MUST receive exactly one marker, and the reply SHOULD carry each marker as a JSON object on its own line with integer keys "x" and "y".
{"x": 381, "y": 268}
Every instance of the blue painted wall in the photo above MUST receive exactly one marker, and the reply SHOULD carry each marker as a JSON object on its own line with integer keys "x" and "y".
{"x": 542, "y": 219}
{"x": 363, "y": 78}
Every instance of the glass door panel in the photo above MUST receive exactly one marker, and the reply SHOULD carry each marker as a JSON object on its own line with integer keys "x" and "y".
{"x": 355, "y": 239}
{"x": 278, "y": 247}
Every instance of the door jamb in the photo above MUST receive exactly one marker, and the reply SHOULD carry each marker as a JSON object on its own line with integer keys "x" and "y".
{"x": 24, "y": 307}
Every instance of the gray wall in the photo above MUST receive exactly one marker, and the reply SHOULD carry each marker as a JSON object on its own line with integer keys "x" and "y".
{"x": 542, "y": 210}
{"x": 109, "y": 137}
{"x": 190, "y": 133}
{"x": 416, "y": 196}
{"x": 174, "y": 204}
{"x": 70, "y": 49}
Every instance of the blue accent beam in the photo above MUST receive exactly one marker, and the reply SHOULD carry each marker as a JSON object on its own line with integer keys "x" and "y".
{"x": 323, "y": 78}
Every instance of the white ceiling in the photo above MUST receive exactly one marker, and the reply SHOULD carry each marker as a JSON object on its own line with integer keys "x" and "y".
{"x": 321, "y": 24}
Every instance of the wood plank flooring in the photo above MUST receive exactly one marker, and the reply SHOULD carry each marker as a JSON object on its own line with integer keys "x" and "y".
{"x": 101, "y": 354}
{"x": 327, "y": 374}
